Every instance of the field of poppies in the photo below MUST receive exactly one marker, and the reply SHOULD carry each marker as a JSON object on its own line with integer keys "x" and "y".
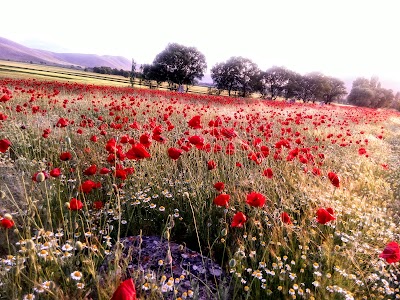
{"x": 294, "y": 201}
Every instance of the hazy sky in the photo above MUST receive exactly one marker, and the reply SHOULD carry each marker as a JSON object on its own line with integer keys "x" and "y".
{"x": 340, "y": 38}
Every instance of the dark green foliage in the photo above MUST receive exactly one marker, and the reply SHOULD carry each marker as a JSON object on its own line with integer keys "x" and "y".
{"x": 109, "y": 71}
{"x": 179, "y": 64}
{"x": 369, "y": 93}
{"x": 237, "y": 74}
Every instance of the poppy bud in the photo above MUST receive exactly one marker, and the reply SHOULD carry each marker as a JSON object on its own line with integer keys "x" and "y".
{"x": 232, "y": 263}
{"x": 79, "y": 246}
{"x": 30, "y": 244}
{"x": 40, "y": 177}
{"x": 166, "y": 235}
{"x": 168, "y": 258}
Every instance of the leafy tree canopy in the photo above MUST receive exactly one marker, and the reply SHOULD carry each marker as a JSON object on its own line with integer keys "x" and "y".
{"x": 180, "y": 64}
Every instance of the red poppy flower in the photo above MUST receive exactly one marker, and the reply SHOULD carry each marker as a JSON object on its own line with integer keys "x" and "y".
{"x": 55, "y": 172}
{"x": 88, "y": 186}
{"x": 196, "y": 140}
{"x": 125, "y": 291}
{"x": 91, "y": 170}
{"x": 316, "y": 171}
{"x": 104, "y": 171}
{"x": 125, "y": 139}
{"x": 5, "y": 98}
{"x": 130, "y": 170}
{"x": 222, "y": 200}
{"x": 238, "y": 219}
{"x": 6, "y": 223}
{"x": 228, "y": 132}
{"x": 97, "y": 204}
{"x": 4, "y": 145}
{"x": 264, "y": 151}
{"x": 211, "y": 165}
{"x": 385, "y": 166}
{"x": 391, "y": 253}
{"x": 230, "y": 149}
{"x": 138, "y": 151}
{"x": 75, "y": 204}
{"x": 285, "y": 218}
{"x": 120, "y": 173}
{"x": 111, "y": 146}
{"x": 268, "y": 173}
{"x": 174, "y": 153}
{"x": 145, "y": 140}
{"x": 219, "y": 186}
{"x": 46, "y": 133}
{"x": 94, "y": 138}
{"x": 159, "y": 138}
{"x": 362, "y": 151}
{"x": 325, "y": 215}
{"x": 255, "y": 199}
{"x": 334, "y": 179}
{"x": 62, "y": 123}
{"x": 195, "y": 123}
{"x": 65, "y": 156}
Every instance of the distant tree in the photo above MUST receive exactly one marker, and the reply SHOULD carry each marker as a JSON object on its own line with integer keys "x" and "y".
{"x": 274, "y": 81}
{"x": 248, "y": 77}
{"x": 109, "y": 71}
{"x": 302, "y": 87}
{"x": 180, "y": 64}
{"x": 333, "y": 89}
{"x": 396, "y": 102}
{"x": 153, "y": 73}
{"x": 103, "y": 70}
{"x": 369, "y": 93}
{"x": 140, "y": 74}
{"x": 132, "y": 74}
{"x": 316, "y": 85}
{"x": 294, "y": 86}
{"x": 384, "y": 97}
{"x": 361, "y": 96}
{"x": 312, "y": 87}
{"x": 224, "y": 76}
{"x": 236, "y": 74}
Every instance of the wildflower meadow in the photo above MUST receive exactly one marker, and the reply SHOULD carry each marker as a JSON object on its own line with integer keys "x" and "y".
{"x": 292, "y": 200}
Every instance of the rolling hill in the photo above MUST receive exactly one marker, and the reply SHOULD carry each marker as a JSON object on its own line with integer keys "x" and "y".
{"x": 10, "y": 50}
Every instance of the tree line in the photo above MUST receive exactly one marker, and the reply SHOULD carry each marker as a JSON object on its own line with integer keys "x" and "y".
{"x": 180, "y": 65}
{"x": 109, "y": 71}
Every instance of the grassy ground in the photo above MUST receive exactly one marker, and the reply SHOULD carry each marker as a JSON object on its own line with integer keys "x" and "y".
{"x": 333, "y": 170}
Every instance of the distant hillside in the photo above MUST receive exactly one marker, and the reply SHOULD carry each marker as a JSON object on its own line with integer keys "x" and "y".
{"x": 10, "y": 50}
